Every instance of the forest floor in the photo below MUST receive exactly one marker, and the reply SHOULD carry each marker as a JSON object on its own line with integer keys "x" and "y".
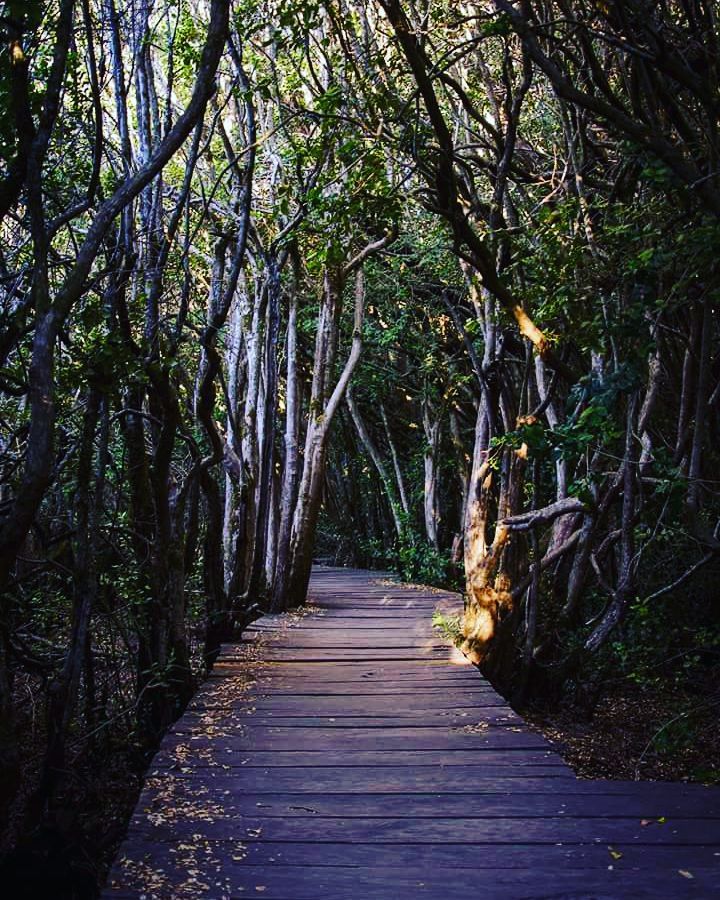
{"x": 68, "y": 857}
{"x": 656, "y": 732}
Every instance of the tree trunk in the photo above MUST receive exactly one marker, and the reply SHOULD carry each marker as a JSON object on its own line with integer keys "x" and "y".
{"x": 374, "y": 454}
{"x": 431, "y": 424}
{"x": 290, "y": 470}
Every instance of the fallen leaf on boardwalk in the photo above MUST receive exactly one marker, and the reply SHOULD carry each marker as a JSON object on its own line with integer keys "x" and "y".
{"x": 645, "y": 822}
{"x": 616, "y": 854}
{"x": 479, "y": 728}
{"x": 685, "y": 873}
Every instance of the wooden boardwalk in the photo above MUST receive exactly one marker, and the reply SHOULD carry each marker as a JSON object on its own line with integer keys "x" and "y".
{"x": 348, "y": 753}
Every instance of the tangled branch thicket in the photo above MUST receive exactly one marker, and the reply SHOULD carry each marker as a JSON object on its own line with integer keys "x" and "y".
{"x": 415, "y": 285}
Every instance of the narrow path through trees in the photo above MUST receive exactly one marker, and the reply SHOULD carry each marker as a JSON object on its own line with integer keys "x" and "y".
{"x": 346, "y": 752}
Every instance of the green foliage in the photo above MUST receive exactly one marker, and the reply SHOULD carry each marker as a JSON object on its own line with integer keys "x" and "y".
{"x": 374, "y": 552}
{"x": 662, "y": 641}
{"x": 417, "y": 561}
{"x": 499, "y": 26}
{"x": 449, "y": 626}
{"x": 188, "y": 43}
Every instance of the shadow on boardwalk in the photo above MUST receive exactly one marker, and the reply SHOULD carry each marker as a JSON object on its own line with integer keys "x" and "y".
{"x": 346, "y": 753}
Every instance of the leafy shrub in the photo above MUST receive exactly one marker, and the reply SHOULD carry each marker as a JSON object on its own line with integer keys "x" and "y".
{"x": 449, "y": 626}
{"x": 416, "y": 560}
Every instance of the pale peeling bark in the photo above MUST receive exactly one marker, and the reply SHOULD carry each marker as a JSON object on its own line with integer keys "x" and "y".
{"x": 292, "y": 462}
{"x": 399, "y": 479}
{"x": 325, "y": 401}
{"x": 462, "y": 459}
{"x": 321, "y": 415}
{"x": 431, "y": 425}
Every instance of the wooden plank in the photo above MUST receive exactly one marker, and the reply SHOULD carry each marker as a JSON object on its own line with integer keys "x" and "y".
{"x": 397, "y": 619}
{"x": 350, "y": 654}
{"x": 424, "y": 645}
{"x": 475, "y": 856}
{"x": 259, "y": 717}
{"x": 426, "y": 674}
{"x": 371, "y": 684}
{"x": 658, "y": 811}
{"x": 419, "y": 679}
{"x": 697, "y": 800}
{"x": 431, "y": 669}
{"x": 379, "y": 700}
{"x": 371, "y": 739}
{"x": 337, "y": 624}
{"x": 211, "y": 823}
{"x": 363, "y": 686}
{"x": 254, "y": 659}
{"x": 332, "y": 705}
{"x": 179, "y": 751}
{"x": 538, "y": 777}
{"x": 347, "y": 883}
